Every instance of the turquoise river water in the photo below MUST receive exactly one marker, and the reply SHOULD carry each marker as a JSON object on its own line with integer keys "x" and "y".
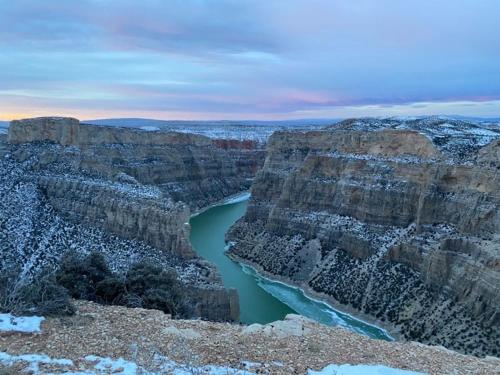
{"x": 261, "y": 300}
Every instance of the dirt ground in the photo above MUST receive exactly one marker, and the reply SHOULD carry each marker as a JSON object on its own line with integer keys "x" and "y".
{"x": 149, "y": 338}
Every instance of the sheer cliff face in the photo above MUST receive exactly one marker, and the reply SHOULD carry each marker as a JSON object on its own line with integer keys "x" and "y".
{"x": 184, "y": 167}
{"x": 387, "y": 222}
{"x": 136, "y": 184}
{"x": 126, "y": 192}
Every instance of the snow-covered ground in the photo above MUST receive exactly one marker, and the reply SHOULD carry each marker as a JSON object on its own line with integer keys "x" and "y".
{"x": 93, "y": 364}
{"x": 258, "y": 131}
{"x": 150, "y": 128}
{"x": 33, "y": 361}
{"x": 361, "y": 370}
{"x": 25, "y": 324}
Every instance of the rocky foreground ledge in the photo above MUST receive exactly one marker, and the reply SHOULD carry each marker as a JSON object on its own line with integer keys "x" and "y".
{"x": 112, "y": 339}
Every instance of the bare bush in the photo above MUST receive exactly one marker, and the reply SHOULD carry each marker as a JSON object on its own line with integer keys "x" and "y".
{"x": 42, "y": 296}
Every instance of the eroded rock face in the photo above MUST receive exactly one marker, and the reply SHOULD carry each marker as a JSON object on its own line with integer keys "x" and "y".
{"x": 391, "y": 222}
{"x": 185, "y": 167}
{"x": 490, "y": 155}
{"x": 70, "y": 132}
{"x": 125, "y": 192}
{"x": 122, "y": 210}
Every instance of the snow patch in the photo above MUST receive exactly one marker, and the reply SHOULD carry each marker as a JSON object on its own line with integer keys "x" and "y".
{"x": 150, "y": 128}
{"x": 169, "y": 366}
{"x": 120, "y": 366}
{"x": 361, "y": 370}
{"x": 115, "y": 366}
{"x": 26, "y": 324}
{"x": 34, "y": 361}
{"x": 162, "y": 364}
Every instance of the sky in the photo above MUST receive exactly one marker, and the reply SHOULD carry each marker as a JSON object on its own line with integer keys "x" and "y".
{"x": 248, "y": 59}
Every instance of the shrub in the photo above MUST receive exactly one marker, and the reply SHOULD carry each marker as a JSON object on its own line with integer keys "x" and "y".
{"x": 46, "y": 297}
{"x": 153, "y": 287}
{"x": 80, "y": 276}
{"x": 146, "y": 275}
{"x": 8, "y": 281}
{"x": 110, "y": 290}
{"x": 145, "y": 285}
{"x": 43, "y": 296}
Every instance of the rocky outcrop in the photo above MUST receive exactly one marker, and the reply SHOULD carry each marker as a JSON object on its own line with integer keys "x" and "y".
{"x": 70, "y": 132}
{"x": 116, "y": 339}
{"x": 217, "y": 305}
{"x": 125, "y": 192}
{"x": 390, "y": 222}
{"x": 490, "y": 155}
{"x": 123, "y": 210}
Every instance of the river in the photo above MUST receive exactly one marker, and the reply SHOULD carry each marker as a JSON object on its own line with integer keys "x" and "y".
{"x": 261, "y": 300}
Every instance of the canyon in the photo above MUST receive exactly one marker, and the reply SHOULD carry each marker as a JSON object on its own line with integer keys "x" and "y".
{"x": 394, "y": 220}
{"x": 127, "y": 193}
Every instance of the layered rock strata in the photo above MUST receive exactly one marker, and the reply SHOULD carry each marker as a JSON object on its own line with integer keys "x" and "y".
{"x": 125, "y": 192}
{"x": 400, "y": 222}
{"x": 185, "y": 167}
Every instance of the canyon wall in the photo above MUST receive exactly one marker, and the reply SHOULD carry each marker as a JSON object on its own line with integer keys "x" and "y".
{"x": 190, "y": 168}
{"x": 400, "y": 222}
{"x": 125, "y": 192}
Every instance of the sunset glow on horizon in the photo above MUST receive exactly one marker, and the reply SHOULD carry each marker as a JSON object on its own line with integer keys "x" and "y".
{"x": 262, "y": 60}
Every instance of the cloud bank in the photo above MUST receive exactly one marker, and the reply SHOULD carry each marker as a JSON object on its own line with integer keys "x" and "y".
{"x": 200, "y": 59}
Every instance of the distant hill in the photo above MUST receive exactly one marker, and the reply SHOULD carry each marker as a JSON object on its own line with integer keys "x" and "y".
{"x": 476, "y": 119}
{"x": 242, "y": 130}
{"x": 140, "y": 122}
{"x": 169, "y": 124}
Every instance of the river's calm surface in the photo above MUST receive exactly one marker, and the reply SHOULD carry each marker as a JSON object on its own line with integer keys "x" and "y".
{"x": 261, "y": 300}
